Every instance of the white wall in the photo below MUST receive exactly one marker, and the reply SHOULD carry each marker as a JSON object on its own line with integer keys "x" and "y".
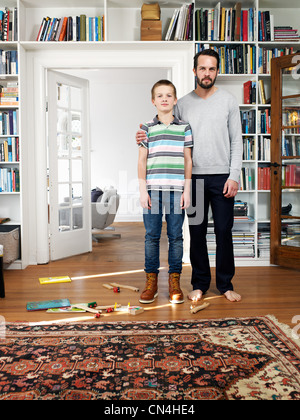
{"x": 120, "y": 100}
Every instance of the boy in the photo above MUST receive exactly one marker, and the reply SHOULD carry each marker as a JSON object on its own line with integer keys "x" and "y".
{"x": 164, "y": 171}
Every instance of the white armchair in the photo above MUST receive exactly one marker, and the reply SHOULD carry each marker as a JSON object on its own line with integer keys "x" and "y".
{"x": 103, "y": 214}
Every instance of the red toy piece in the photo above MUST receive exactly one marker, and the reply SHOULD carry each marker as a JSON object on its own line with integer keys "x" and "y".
{"x": 108, "y": 310}
{"x": 117, "y": 289}
{"x": 97, "y": 315}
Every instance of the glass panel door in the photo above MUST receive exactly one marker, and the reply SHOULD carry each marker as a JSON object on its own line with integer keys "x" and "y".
{"x": 285, "y": 193}
{"x": 70, "y": 231}
{"x": 290, "y": 150}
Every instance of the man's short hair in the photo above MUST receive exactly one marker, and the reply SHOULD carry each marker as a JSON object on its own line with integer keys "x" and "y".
{"x": 163, "y": 83}
{"x": 210, "y": 53}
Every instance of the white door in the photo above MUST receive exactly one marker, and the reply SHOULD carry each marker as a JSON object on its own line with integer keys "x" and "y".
{"x": 69, "y": 166}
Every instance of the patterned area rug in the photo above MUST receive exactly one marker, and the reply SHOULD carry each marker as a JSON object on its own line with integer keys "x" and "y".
{"x": 236, "y": 359}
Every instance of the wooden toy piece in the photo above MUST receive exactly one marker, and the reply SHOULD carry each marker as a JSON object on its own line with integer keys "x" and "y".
{"x": 135, "y": 289}
{"x": 107, "y": 286}
{"x": 97, "y": 315}
{"x": 116, "y": 305}
{"x": 135, "y": 310}
{"x": 92, "y": 305}
{"x": 87, "y": 309}
{"x": 117, "y": 290}
{"x": 198, "y": 308}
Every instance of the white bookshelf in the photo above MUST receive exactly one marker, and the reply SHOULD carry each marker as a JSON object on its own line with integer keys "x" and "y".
{"x": 122, "y": 33}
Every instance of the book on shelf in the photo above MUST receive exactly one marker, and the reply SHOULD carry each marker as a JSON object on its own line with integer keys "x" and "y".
{"x": 234, "y": 59}
{"x": 9, "y": 150}
{"x": 290, "y": 145}
{"x": 181, "y": 24}
{"x": 72, "y": 28}
{"x": 249, "y": 92}
{"x": 264, "y": 121}
{"x": 248, "y": 120}
{"x": 248, "y": 148}
{"x": 267, "y": 31}
{"x": 9, "y": 180}
{"x": 9, "y": 24}
{"x": 247, "y": 180}
{"x": 262, "y": 93}
{"x": 265, "y": 56}
{"x": 9, "y": 120}
{"x": 291, "y": 175}
{"x": 225, "y": 24}
{"x": 264, "y": 148}
{"x": 9, "y": 62}
{"x": 263, "y": 178}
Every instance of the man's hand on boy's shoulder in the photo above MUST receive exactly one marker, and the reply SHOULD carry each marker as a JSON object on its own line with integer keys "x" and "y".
{"x": 140, "y": 136}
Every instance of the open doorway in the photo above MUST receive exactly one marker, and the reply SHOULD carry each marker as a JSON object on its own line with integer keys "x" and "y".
{"x": 119, "y": 100}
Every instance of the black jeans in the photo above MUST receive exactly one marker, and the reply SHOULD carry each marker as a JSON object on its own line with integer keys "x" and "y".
{"x": 222, "y": 209}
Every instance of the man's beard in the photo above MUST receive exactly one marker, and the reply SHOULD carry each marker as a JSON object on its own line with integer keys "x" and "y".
{"x": 204, "y": 85}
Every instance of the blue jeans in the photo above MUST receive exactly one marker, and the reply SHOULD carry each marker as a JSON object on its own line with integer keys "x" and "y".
{"x": 170, "y": 201}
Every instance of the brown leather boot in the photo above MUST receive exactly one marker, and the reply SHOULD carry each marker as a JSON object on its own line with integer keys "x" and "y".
{"x": 150, "y": 292}
{"x": 176, "y": 295}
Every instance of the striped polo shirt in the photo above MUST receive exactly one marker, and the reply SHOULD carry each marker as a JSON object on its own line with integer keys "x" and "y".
{"x": 165, "y": 163}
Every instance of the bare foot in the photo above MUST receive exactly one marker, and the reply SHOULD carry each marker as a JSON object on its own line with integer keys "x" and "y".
{"x": 195, "y": 295}
{"x": 232, "y": 296}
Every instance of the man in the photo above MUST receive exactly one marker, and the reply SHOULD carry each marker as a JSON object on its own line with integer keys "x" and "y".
{"x": 214, "y": 117}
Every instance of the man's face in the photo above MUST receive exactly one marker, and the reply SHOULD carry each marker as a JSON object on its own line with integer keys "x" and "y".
{"x": 206, "y": 71}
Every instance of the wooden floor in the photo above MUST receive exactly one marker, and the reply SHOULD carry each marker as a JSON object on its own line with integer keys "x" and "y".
{"x": 265, "y": 290}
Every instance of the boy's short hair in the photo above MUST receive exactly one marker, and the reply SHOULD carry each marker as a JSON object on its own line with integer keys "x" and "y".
{"x": 163, "y": 83}
{"x": 210, "y": 53}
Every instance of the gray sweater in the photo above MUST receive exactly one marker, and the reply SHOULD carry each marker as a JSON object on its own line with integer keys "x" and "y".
{"x": 217, "y": 132}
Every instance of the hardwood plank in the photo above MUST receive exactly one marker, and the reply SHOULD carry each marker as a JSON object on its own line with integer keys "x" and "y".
{"x": 265, "y": 290}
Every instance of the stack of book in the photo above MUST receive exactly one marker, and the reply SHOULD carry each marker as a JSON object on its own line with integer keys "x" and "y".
{"x": 225, "y": 24}
{"x": 9, "y": 180}
{"x": 263, "y": 242}
{"x": 234, "y": 59}
{"x": 181, "y": 25}
{"x": 286, "y": 33}
{"x": 9, "y": 150}
{"x": 9, "y": 95}
{"x": 240, "y": 208}
{"x": 243, "y": 244}
{"x": 72, "y": 28}
{"x": 9, "y": 24}
{"x": 290, "y": 235}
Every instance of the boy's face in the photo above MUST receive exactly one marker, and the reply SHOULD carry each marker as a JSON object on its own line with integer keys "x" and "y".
{"x": 206, "y": 72}
{"x": 164, "y": 98}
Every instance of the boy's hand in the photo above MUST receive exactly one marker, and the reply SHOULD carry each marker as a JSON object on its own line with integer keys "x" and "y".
{"x": 140, "y": 136}
{"x": 145, "y": 200}
{"x": 185, "y": 201}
